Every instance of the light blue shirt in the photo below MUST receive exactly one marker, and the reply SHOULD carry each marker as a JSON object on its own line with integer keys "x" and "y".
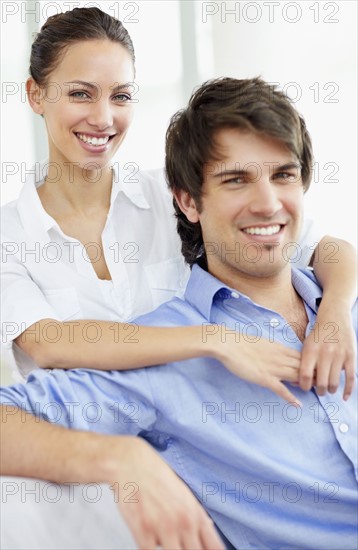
{"x": 271, "y": 476}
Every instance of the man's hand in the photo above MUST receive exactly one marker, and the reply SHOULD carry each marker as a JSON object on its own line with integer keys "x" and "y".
{"x": 161, "y": 510}
{"x": 330, "y": 348}
{"x": 262, "y": 362}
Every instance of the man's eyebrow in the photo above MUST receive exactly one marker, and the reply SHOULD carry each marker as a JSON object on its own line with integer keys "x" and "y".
{"x": 287, "y": 166}
{"x": 276, "y": 168}
{"x": 224, "y": 173}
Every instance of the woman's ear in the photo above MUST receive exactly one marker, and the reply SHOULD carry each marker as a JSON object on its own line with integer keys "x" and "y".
{"x": 187, "y": 205}
{"x": 35, "y": 96}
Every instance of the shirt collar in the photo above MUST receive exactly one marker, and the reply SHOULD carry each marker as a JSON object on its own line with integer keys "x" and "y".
{"x": 130, "y": 186}
{"x": 307, "y": 287}
{"x": 35, "y": 218}
{"x": 32, "y": 214}
{"x": 202, "y": 289}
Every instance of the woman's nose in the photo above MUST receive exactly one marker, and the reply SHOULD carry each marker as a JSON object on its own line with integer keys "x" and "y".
{"x": 100, "y": 115}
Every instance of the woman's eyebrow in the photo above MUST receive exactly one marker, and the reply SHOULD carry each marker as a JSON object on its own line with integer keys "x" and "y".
{"x": 94, "y": 86}
{"x": 90, "y": 85}
{"x": 118, "y": 87}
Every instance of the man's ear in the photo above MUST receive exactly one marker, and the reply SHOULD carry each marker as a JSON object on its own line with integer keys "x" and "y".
{"x": 187, "y": 205}
{"x": 35, "y": 96}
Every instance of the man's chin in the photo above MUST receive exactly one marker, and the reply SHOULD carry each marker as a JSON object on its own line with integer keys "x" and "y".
{"x": 263, "y": 270}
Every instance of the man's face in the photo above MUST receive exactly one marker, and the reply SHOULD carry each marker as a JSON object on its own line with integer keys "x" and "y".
{"x": 251, "y": 206}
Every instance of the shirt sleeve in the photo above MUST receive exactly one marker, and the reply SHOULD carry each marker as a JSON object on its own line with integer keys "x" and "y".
{"x": 22, "y": 301}
{"x": 311, "y": 234}
{"x": 108, "y": 402}
{"x": 22, "y": 304}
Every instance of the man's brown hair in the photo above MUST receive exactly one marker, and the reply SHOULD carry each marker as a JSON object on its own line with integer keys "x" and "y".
{"x": 250, "y": 105}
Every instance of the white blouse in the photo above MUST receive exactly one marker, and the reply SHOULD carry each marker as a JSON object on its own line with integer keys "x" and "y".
{"x": 46, "y": 274}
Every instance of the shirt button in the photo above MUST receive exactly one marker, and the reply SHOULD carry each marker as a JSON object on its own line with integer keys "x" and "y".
{"x": 235, "y": 295}
{"x": 274, "y": 322}
{"x": 343, "y": 428}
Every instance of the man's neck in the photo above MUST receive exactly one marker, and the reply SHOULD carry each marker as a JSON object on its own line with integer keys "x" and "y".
{"x": 274, "y": 291}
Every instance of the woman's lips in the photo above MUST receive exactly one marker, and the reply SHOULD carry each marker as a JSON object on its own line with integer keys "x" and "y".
{"x": 94, "y": 144}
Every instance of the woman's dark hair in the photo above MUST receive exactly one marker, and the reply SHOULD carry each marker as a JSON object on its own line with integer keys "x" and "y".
{"x": 250, "y": 105}
{"x": 63, "y": 29}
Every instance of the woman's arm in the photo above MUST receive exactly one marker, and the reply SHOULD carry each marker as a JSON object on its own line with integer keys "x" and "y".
{"x": 331, "y": 346}
{"x": 107, "y": 346}
{"x": 123, "y": 346}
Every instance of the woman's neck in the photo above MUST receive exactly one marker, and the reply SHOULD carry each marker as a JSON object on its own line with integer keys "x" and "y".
{"x": 71, "y": 187}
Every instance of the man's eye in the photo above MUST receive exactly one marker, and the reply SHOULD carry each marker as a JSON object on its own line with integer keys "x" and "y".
{"x": 234, "y": 181}
{"x": 286, "y": 176}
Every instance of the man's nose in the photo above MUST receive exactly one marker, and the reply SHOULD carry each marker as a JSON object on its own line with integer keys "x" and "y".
{"x": 265, "y": 199}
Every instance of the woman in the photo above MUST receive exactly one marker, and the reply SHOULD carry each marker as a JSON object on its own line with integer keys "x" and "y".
{"x": 87, "y": 245}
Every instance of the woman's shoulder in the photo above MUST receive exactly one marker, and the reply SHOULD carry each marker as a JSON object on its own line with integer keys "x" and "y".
{"x": 154, "y": 182}
{"x": 10, "y": 220}
{"x": 17, "y": 214}
{"x": 149, "y": 183}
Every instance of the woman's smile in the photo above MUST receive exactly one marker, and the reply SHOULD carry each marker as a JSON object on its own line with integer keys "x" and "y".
{"x": 94, "y": 107}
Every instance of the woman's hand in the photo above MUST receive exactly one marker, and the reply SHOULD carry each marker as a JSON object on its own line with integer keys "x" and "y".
{"x": 330, "y": 348}
{"x": 262, "y": 362}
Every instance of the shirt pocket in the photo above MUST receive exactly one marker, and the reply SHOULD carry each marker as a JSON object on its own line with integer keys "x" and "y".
{"x": 64, "y": 301}
{"x": 165, "y": 279}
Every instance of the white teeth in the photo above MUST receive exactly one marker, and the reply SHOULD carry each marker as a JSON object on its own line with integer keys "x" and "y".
{"x": 271, "y": 230}
{"x": 93, "y": 140}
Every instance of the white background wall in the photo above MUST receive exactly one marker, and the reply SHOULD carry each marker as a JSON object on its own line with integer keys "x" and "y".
{"x": 308, "y": 47}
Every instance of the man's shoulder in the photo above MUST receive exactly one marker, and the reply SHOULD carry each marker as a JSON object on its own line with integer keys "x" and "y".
{"x": 305, "y": 273}
{"x": 176, "y": 312}
{"x": 309, "y": 288}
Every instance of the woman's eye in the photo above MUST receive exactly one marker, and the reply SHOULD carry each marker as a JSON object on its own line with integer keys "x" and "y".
{"x": 122, "y": 97}
{"x": 79, "y": 95}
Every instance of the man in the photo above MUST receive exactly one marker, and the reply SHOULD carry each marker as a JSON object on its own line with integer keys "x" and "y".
{"x": 270, "y": 474}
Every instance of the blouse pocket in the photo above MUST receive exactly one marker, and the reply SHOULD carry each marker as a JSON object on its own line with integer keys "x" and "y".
{"x": 64, "y": 301}
{"x": 165, "y": 279}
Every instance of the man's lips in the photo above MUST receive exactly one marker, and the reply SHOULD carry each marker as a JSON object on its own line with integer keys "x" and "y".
{"x": 263, "y": 230}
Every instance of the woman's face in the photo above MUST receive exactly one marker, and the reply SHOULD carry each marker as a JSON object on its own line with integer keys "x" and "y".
{"x": 87, "y": 103}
